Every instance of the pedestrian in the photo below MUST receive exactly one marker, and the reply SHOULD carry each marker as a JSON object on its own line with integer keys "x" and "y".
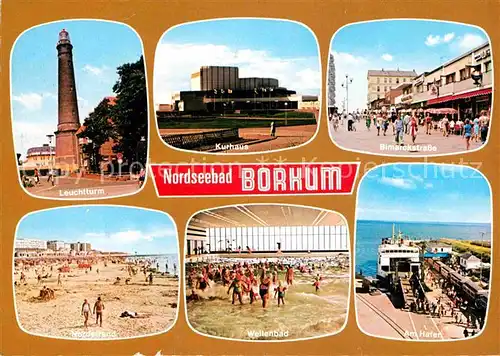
{"x": 476, "y": 130}
{"x": 142, "y": 177}
{"x": 399, "y": 131}
{"x": 98, "y": 310}
{"x": 413, "y": 128}
{"x": 428, "y": 124}
{"x": 350, "y": 120}
{"x": 378, "y": 123}
{"x": 446, "y": 126}
{"x": 467, "y": 134}
{"x": 37, "y": 176}
{"x": 273, "y": 129}
{"x": 484, "y": 123}
{"x": 385, "y": 121}
{"x": 85, "y": 312}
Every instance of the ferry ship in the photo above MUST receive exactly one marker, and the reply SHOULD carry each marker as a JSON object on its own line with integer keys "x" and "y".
{"x": 397, "y": 255}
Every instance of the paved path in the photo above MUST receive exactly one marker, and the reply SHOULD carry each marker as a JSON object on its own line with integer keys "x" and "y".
{"x": 286, "y": 136}
{"x": 377, "y": 316}
{"x": 367, "y": 140}
{"x": 82, "y": 188}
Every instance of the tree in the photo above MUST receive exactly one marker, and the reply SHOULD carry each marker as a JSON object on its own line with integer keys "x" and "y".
{"x": 130, "y": 113}
{"x": 98, "y": 130}
{"x": 331, "y": 82}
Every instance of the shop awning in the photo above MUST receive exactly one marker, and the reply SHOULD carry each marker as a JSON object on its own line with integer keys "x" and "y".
{"x": 459, "y": 96}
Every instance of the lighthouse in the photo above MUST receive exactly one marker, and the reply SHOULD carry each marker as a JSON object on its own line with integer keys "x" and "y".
{"x": 67, "y": 148}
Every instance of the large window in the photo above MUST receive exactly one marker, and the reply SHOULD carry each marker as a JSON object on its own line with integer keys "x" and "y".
{"x": 289, "y": 238}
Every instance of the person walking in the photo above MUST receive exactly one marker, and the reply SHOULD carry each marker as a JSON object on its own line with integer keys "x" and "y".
{"x": 484, "y": 121}
{"x": 467, "y": 134}
{"x": 98, "y": 310}
{"x": 413, "y": 128}
{"x": 399, "y": 131}
{"x": 273, "y": 129}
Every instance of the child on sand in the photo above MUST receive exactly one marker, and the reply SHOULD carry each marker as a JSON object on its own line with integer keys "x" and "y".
{"x": 280, "y": 290}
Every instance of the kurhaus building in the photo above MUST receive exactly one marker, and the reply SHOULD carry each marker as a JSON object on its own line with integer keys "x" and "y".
{"x": 220, "y": 90}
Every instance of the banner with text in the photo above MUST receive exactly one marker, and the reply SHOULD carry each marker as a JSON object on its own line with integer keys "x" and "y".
{"x": 225, "y": 179}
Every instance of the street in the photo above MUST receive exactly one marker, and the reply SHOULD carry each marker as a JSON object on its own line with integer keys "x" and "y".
{"x": 82, "y": 188}
{"x": 367, "y": 141}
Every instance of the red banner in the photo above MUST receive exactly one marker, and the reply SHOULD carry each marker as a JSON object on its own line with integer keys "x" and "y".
{"x": 225, "y": 179}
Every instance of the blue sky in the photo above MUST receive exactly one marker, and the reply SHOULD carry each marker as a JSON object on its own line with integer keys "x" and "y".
{"x": 107, "y": 228}
{"x": 99, "y": 47}
{"x": 438, "y": 193}
{"x": 405, "y": 44}
{"x": 259, "y": 47}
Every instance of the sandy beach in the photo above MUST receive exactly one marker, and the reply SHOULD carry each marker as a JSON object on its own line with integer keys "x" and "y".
{"x": 155, "y": 304}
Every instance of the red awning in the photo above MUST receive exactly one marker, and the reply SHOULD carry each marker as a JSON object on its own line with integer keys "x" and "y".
{"x": 459, "y": 96}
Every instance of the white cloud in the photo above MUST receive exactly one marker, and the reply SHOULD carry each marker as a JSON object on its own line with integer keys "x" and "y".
{"x": 30, "y": 101}
{"x": 428, "y": 185}
{"x": 174, "y": 64}
{"x": 129, "y": 236}
{"x": 470, "y": 41}
{"x": 356, "y": 67}
{"x": 432, "y": 40}
{"x": 448, "y": 37}
{"x": 387, "y": 57}
{"x": 97, "y": 71}
{"x": 27, "y": 135}
{"x": 401, "y": 183}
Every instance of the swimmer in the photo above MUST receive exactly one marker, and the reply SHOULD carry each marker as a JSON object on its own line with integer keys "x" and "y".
{"x": 265, "y": 285}
{"x": 237, "y": 287}
{"x": 289, "y": 275}
{"x": 317, "y": 282}
{"x": 280, "y": 291}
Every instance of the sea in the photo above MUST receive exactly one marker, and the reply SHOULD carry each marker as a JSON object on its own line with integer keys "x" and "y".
{"x": 370, "y": 232}
{"x": 164, "y": 261}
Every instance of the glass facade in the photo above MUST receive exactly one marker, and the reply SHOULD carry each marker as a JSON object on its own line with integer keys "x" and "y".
{"x": 288, "y": 238}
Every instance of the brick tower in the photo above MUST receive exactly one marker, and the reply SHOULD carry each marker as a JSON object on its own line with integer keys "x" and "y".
{"x": 67, "y": 148}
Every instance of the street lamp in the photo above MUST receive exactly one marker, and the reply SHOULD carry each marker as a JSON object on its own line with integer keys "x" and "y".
{"x": 49, "y": 137}
{"x": 269, "y": 102}
{"x": 286, "y": 106}
{"x": 346, "y": 86}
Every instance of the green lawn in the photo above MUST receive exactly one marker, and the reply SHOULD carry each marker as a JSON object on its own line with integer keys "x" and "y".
{"x": 224, "y": 123}
{"x": 463, "y": 245}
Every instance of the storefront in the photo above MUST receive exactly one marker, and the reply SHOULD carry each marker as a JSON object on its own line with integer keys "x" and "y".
{"x": 467, "y": 104}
